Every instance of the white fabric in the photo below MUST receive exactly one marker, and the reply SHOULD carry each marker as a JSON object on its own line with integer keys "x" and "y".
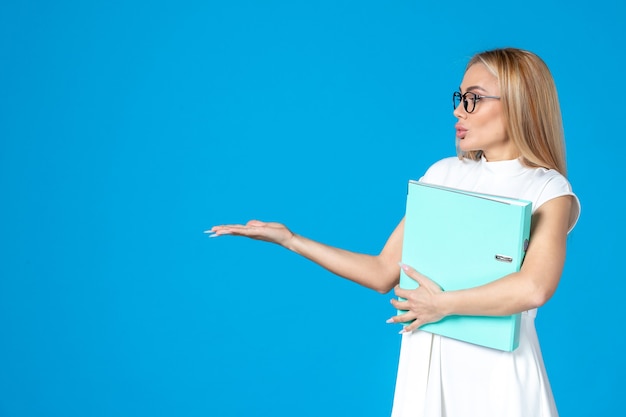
{"x": 442, "y": 377}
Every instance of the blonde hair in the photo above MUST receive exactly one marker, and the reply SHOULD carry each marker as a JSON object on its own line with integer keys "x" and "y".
{"x": 530, "y": 105}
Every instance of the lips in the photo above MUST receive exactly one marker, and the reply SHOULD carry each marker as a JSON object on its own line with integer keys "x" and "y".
{"x": 460, "y": 131}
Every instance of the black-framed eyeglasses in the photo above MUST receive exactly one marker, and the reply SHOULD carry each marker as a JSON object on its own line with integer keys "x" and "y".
{"x": 469, "y": 100}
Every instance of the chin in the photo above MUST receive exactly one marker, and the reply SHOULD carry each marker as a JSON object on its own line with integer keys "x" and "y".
{"x": 465, "y": 147}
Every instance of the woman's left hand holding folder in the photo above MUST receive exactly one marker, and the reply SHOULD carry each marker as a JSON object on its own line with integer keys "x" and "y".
{"x": 422, "y": 304}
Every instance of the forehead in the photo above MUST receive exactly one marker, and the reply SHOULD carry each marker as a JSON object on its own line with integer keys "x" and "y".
{"x": 478, "y": 77}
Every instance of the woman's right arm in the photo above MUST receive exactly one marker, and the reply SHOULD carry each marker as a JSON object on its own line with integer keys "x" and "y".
{"x": 379, "y": 272}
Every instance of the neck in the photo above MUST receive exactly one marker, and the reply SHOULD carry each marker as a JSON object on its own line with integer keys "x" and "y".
{"x": 503, "y": 156}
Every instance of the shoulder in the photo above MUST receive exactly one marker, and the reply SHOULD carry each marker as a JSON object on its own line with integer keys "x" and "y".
{"x": 449, "y": 162}
{"x": 552, "y": 184}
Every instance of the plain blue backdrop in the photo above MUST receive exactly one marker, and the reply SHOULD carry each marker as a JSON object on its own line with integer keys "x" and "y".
{"x": 127, "y": 128}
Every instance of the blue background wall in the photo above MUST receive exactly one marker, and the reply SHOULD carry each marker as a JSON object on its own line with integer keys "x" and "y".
{"x": 127, "y": 128}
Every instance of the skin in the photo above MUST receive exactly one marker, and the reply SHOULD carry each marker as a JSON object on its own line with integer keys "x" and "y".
{"x": 484, "y": 129}
{"x": 531, "y": 287}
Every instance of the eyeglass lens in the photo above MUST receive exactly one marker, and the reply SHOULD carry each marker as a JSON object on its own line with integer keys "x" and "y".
{"x": 468, "y": 99}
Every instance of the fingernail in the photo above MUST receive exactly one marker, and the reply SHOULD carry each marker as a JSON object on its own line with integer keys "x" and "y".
{"x": 403, "y": 266}
{"x": 213, "y": 235}
{"x": 402, "y": 331}
{"x": 389, "y": 321}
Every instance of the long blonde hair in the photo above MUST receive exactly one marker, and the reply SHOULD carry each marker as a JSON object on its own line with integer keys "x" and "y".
{"x": 530, "y": 104}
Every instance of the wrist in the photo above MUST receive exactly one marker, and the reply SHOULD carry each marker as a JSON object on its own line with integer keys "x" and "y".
{"x": 291, "y": 243}
{"x": 445, "y": 303}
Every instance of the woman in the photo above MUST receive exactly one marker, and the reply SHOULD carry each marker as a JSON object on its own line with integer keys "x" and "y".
{"x": 509, "y": 142}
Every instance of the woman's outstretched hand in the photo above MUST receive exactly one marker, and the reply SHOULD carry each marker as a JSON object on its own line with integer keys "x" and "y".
{"x": 255, "y": 229}
{"x": 420, "y": 304}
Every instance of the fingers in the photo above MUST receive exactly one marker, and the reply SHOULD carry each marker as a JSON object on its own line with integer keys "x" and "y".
{"x": 408, "y": 319}
{"x": 412, "y": 273}
{"x": 219, "y": 230}
{"x": 411, "y": 327}
{"x": 401, "y": 292}
{"x": 402, "y": 305}
{"x": 211, "y": 232}
{"x": 417, "y": 306}
{"x": 420, "y": 278}
{"x": 254, "y": 229}
{"x": 234, "y": 229}
{"x": 255, "y": 223}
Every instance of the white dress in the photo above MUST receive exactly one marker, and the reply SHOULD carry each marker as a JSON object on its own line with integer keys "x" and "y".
{"x": 442, "y": 377}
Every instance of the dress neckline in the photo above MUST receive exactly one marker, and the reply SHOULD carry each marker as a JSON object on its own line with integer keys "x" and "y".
{"x": 510, "y": 167}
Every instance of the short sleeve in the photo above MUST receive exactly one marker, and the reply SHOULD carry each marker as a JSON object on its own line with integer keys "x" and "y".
{"x": 558, "y": 186}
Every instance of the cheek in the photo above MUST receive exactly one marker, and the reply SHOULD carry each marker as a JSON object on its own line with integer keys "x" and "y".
{"x": 491, "y": 127}
{"x": 498, "y": 129}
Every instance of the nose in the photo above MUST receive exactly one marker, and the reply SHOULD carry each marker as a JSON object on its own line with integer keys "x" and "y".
{"x": 460, "y": 112}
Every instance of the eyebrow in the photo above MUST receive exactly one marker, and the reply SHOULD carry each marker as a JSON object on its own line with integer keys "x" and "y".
{"x": 474, "y": 87}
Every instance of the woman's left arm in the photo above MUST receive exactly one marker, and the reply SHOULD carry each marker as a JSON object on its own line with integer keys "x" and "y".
{"x": 529, "y": 288}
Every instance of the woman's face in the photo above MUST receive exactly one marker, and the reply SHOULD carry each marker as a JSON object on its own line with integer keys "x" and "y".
{"x": 484, "y": 128}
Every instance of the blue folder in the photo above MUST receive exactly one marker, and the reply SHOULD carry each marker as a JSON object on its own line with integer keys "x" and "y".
{"x": 462, "y": 239}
